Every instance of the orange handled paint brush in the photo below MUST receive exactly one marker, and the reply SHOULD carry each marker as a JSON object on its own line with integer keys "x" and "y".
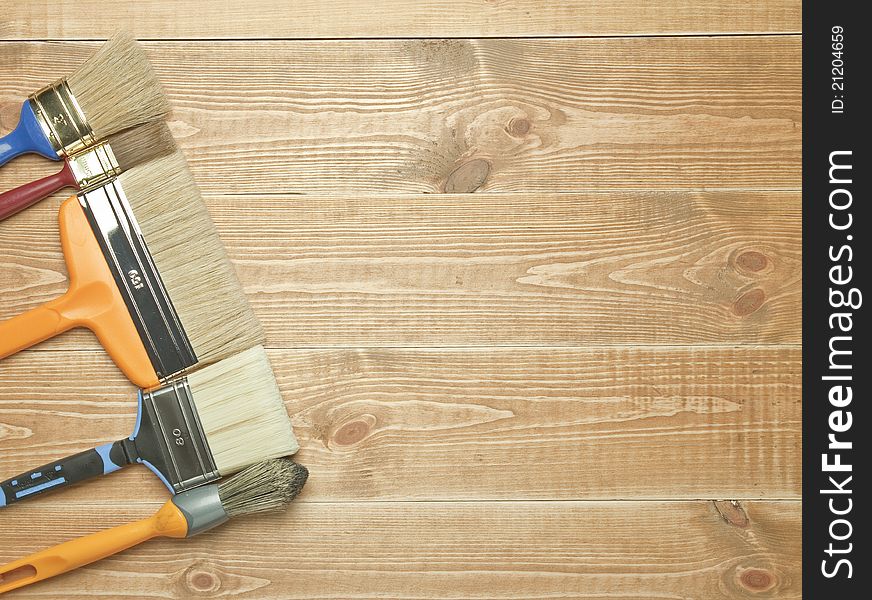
{"x": 148, "y": 275}
{"x": 267, "y": 486}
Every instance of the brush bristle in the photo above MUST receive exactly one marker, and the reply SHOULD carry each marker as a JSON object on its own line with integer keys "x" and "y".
{"x": 190, "y": 258}
{"x": 117, "y": 88}
{"x": 264, "y": 487}
{"x": 138, "y": 145}
{"x": 242, "y": 412}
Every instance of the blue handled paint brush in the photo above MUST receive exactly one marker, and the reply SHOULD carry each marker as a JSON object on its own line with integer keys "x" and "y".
{"x": 192, "y": 431}
{"x": 112, "y": 91}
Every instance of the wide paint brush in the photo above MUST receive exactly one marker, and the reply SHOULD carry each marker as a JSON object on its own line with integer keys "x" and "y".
{"x": 95, "y": 166}
{"x": 265, "y": 487}
{"x": 148, "y": 275}
{"x": 113, "y": 90}
{"x": 210, "y": 424}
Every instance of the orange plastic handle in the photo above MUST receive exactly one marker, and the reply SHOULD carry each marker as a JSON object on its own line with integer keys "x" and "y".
{"x": 167, "y": 522}
{"x": 93, "y": 301}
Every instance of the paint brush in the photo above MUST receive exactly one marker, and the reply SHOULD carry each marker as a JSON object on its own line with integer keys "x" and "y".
{"x": 148, "y": 275}
{"x": 114, "y": 89}
{"x": 265, "y": 487}
{"x": 95, "y": 166}
{"x": 210, "y": 424}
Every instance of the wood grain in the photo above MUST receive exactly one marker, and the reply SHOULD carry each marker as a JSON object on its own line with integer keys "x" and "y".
{"x": 469, "y": 270}
{"x": 411, "y": 116}
{"x": 518, "y": 550}
{"x": 468, "y": 424}
{"x": 393, "y": 18}
{"x": 534, "y": 302}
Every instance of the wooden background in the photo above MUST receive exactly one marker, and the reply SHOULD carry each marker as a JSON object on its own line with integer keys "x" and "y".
{"x": 530, "y": 275}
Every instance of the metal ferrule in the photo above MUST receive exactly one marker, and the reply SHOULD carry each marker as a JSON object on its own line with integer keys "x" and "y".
{"x": 172, "y": 439}
{"x": 94, "y": 167}
{"x": 62, "y": 119}
{"x": 202, "y": 509}
{"x": 138, "y": 279}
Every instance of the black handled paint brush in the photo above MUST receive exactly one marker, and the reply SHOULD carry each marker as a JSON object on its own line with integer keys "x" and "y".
{"x": 113, "y": 90}
{"x": 95, "y": 166}
{"x": 266, "y": 487}
{"x": 212, "y": 423}
{"x": 148, "y": 275}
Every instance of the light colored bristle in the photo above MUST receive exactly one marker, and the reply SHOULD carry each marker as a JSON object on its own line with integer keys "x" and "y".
{"x": 264, "y": 487}
{"x": 242, "y": 412}
{"x": 140, "y": 144}
{"x": 117, "y": 88}
{"x": 190, "y": 258}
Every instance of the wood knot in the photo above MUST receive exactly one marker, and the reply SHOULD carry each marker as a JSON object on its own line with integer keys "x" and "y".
{"x": 181, "y": 130}
{"x": 13, "y": 432}
{"x": 757, "y": 580}
{"x": 198, "y": 580}
{"x": 468, "y": 177}
{"x": 752, "y": 261}
{"x": 749, "y": 302}
{"x": 518, "y": 127}
{"x": 732, "y": 513}
{"x": 354, "y": 431}
{"x": 451, "y": 57}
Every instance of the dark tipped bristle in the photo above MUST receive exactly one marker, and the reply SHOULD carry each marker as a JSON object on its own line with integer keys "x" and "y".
{"x": 199, "y": 279}
{"x": 117, "y": 89}
{"x": 266, "y": 486}
{"x": 141, "y": 144}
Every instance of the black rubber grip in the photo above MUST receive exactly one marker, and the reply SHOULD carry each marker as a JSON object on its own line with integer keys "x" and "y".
{"x": 60, "y": 474}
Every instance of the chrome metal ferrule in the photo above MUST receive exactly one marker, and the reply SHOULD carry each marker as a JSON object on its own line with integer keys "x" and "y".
{"x": 201, "y": 508}
{"x": 178, "y": 448}
{"x": 61, "y": 119}
{"x": 94, "y": 167}
{"x": 138, "y": 280}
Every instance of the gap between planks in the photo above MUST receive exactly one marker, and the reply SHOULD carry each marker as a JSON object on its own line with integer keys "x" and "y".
{"x": 231, "y": 40}
{"x": 390, "y": 18}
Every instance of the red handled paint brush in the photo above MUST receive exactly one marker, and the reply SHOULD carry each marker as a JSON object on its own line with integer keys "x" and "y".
{"x": 96, "y": 166}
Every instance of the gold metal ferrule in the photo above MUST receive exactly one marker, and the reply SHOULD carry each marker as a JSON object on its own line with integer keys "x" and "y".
{"x": 94, "y": 167}
{"x": 62, "y": 119}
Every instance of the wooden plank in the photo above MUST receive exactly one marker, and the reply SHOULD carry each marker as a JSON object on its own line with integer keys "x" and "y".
{"x": 393, "y": 18}
{"x": 529, "y": 551}
{"x": 374, "y": 117}
{"x": 392, "y": 424}
{"x": 470, "y": 270}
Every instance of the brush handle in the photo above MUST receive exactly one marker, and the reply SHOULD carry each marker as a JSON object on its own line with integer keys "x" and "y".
{"x": 38, "y": 324}
{"x": 92, "y": 289}
{"x": 27, "y": 137}
{"x": 29, "y": 194}
{"x": 167, "y": 522}
{"x": 93, "y": 301}
{"x": 68, "y": 471}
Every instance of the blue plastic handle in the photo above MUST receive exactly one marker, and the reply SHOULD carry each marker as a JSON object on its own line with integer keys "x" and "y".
{"x": 27, "y": 137}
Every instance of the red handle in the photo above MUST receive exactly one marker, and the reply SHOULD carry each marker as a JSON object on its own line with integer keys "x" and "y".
{"x": 30, "y": 193}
